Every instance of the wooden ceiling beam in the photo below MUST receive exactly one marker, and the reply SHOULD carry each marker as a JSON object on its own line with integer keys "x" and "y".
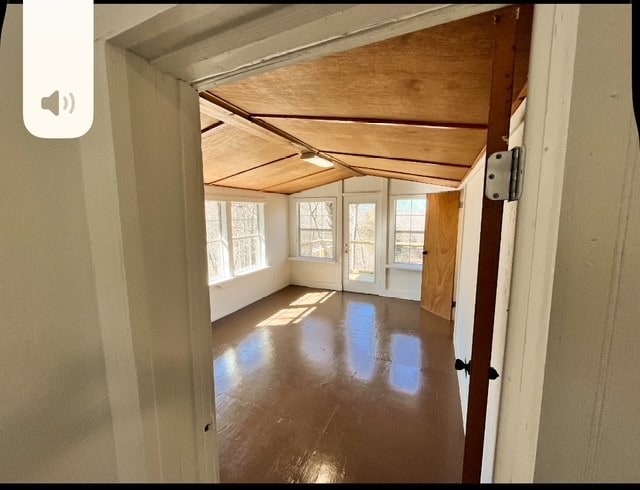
{"x": 220, "y": 109}
{"x": 209, "y": 129}
{"x": 315, "y": 180}
{"x": 375, "y": 121}
{"x": 407, "y": 160}
{"x": 214, "y": 182}
{"x": 412, "y": 177}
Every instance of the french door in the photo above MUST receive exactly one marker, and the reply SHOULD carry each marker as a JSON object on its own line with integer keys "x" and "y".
{"x": 361, "y": 255}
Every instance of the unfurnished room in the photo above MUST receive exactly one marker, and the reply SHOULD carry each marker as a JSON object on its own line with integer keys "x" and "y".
{"x": 318, "y": 243}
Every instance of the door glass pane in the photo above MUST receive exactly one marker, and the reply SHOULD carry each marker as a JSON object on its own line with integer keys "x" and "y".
{"x": 361, "y": 240}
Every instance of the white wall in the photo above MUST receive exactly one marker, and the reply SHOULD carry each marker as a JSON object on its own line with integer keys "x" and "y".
{"x": 396, "y": 283}
{"x": 243, "y": 290}
{"x": 55, "y": 415}
{"x": 589, "y": 421}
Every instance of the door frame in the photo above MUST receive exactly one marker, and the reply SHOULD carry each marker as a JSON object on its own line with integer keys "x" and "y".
{"x": 547, "y": 121}
{"x": 380, "y": 249}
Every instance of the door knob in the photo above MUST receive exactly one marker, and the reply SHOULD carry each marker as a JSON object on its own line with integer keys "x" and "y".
{"x": 460, "y": 365}
{"x": 424, "y": 252}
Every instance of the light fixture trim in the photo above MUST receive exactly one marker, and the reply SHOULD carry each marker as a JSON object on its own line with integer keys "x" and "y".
{"x": 309, "y": 156}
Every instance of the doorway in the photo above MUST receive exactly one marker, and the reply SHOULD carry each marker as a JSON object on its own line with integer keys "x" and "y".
{"x": 361, "y": 243}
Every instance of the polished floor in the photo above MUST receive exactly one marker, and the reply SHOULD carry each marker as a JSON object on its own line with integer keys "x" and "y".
{"x": 325, "y": 386}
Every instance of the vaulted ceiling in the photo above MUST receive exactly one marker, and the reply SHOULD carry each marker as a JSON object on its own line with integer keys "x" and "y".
{"x": 414, "y": 107}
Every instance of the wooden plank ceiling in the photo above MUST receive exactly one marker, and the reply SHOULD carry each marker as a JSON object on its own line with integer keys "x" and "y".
{"x": 414, "y": 107}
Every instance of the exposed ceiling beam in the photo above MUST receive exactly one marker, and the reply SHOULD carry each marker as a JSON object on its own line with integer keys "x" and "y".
{"x": 411, "y": 177}
{"x": 312, "y": 179}
{"x": 209, "y": 129}
{"x": 221, "y": 109}
{"x": 406, "y": 160}
{"x": 378, "y": 122}
{"x": 214, "y": 182}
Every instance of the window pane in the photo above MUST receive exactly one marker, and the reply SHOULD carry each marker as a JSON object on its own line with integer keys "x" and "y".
{"x": 417, "y": 223}
{"x": 315, "y": 229}
{"x": 403, "y": 223}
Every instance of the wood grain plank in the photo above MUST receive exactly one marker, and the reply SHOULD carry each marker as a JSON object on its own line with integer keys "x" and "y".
{"x": 438, "y": 74}
{"x": 315, "y": 180}
{"x": 449, "y": 172}
{"x": 272, "y": 174}
{"x": 439, "y": 264}
{"x": 229, "y": 150}
{"x": 206, "y": 121}
{"x": 459, "y": 146}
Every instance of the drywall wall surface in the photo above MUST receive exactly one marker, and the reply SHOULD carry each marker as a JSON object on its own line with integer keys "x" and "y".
{"x": 55, "y": 416}
{"x": 230, "y": 296}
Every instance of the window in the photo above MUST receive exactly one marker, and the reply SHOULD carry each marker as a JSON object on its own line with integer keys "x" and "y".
{"x": 316, "y": 229}
{"x": 408, "y": 229}
{"x": 235, "y": 238}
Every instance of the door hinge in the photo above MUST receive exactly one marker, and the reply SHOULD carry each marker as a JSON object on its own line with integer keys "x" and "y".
{"x": 453, "y": 304}
{"x": 505, "y": 175}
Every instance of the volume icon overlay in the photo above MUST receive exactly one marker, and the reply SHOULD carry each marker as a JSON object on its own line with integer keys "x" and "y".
{"x": 57, "y": 67}
{"x": 52, "y": 103}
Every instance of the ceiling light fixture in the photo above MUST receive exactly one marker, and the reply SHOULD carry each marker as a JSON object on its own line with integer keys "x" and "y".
{"x": 309, "y": 156}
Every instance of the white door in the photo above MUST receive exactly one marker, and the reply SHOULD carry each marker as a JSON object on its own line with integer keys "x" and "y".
{"x": 361, "y": 258}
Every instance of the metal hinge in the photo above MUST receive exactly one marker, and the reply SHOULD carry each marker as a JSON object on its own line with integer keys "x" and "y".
{"x": 505, "y": 175}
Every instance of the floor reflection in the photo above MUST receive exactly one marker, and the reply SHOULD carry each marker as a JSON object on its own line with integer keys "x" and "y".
{"x": 318, "y": 345}
{"x": 225, "y": 371}
{"x": 362, "y": 340}
{"x": 406, "y": 362}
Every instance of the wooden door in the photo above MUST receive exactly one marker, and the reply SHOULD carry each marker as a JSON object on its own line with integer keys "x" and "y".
{"x": 439, "y": 253}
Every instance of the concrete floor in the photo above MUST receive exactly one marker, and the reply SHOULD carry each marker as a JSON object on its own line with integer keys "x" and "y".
{"x": 324, "y": 386}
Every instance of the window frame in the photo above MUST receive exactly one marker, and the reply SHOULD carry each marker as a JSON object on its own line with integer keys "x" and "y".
{"x": 391, "y": 259}
{"x": 226, "y": 226}
{"x": 333, "y": 201}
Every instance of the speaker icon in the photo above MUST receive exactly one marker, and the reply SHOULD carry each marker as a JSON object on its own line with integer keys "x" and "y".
{"x": 52, "y": 103}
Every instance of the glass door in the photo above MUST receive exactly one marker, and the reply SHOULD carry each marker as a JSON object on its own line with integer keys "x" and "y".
{"x": 360, "y": 254}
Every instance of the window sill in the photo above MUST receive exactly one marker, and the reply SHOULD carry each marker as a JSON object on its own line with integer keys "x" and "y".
{"x": 228, "y": 281}
{"x": 404, "y": 267}
{"x": 311, "y": 259}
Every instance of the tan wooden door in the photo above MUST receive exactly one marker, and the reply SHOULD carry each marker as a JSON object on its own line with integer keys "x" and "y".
{"x": 439, "y": 253}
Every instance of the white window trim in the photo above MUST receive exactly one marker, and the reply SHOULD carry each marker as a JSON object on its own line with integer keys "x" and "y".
{"x": 230, "y": 275}
{"x": 296, "y": 238}
{"x": 391, "y": 263}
